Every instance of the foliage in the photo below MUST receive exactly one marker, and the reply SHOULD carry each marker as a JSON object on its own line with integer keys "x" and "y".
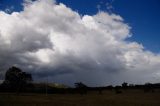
{"x": 16, "y": 79}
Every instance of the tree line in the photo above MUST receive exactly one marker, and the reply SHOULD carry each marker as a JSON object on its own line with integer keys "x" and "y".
{"x": 18, "y": 81}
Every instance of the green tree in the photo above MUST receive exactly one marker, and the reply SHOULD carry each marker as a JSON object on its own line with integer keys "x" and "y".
{"x": 16, "y": 79}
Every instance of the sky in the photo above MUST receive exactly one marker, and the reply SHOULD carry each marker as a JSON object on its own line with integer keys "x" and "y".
{"x": 142, "y": 15}
{"x": 98, "y": 42}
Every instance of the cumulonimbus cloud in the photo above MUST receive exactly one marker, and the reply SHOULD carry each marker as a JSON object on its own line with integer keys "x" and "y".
{"x": 51, "y": 40}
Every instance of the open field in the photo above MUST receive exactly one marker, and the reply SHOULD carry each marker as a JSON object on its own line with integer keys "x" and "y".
{"x": 108, "y": 98}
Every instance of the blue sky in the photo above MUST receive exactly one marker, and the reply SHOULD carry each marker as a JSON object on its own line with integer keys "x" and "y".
{"x": 142, "y": 15}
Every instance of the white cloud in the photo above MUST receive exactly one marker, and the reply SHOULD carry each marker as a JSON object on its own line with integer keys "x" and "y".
{"x": 50, "y": 39}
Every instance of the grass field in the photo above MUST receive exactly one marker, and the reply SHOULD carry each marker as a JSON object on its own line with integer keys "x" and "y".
{"x": 108, "y": 98}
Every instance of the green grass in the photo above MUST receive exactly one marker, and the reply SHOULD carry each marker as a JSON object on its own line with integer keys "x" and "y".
{"x": 108, "y": 98}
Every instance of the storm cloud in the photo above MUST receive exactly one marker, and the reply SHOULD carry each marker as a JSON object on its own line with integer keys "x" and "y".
{"x": 51, "y": 40}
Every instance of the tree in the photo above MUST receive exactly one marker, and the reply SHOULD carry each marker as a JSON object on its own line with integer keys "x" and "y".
{"x": 82, "y": 88}
{"x": 117, "y": 90}
{"x": 148, "y": 87}
{"x": 16, "y": 79}
{"x": 80, "y": 85}
{"x": 124, "y": 85}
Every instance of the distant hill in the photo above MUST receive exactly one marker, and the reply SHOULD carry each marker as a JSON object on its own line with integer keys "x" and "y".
{"x": 56, "y": 85}
{"x": 1, "y": 81}
{"x": 50, "y": 85}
